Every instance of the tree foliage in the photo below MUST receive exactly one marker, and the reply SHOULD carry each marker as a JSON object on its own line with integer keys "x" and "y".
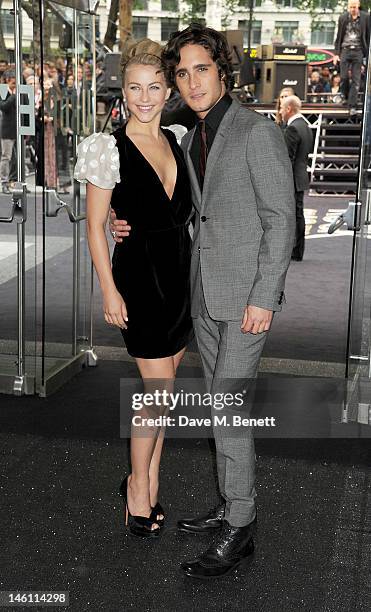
{"x": 318, "y": 8}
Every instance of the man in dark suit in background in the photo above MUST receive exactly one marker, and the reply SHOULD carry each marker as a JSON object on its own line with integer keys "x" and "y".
{"x": 8, "y": 133}
{"x": 299, "y": 141}
{"x": 351, "y": 46}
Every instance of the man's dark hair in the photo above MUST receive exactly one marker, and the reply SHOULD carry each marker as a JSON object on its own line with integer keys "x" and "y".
{"x": 196, "y": 34}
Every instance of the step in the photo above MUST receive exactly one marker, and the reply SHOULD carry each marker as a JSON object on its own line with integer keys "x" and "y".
{"x": 333, "y": 149}
{"x": 341, "y": 137}
{"x": 341, "y": 127}
{"x": 340, "y": 173}
{"x": 333, "y": 186}
{"x": 341, "y": 159}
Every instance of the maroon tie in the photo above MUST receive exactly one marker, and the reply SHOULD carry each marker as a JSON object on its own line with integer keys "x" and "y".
{"x": 203, "y": 151}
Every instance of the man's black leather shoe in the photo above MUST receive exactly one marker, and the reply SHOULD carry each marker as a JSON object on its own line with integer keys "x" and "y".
{"x": 212, "y": 521}
{"x": 233, "y": 547}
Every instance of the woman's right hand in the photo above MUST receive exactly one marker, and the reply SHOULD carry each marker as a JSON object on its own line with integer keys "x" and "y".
{"x": 114, "y": 308}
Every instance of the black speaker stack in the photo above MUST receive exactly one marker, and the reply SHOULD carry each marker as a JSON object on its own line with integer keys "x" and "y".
{"x": 112, "y": 73}
{"x": 277, "y": 66}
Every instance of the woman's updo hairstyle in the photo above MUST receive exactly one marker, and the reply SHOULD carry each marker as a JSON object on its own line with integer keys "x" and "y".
{"x": 143, "y": 52}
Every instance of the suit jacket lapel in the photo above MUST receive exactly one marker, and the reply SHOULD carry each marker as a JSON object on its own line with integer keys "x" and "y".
{"x": 192, "y": 173}
{"x": 219, "y": 144}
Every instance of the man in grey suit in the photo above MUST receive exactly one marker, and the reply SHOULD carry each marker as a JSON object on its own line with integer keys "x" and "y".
{"x": 299, "y": 141}
{"x": 243, "y": 196}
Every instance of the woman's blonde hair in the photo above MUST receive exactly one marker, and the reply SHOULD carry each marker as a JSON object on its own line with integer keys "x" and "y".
{"x": 144, "y": 52}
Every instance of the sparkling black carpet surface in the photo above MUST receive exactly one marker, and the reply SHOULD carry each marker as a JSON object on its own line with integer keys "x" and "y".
{"x": 62, "y": 523}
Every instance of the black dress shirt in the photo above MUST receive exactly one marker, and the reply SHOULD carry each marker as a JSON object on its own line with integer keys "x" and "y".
{"x": 212, "y": 122}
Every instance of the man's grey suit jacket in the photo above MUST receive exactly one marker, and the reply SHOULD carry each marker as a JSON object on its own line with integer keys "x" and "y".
{"x": 245, "y": 222}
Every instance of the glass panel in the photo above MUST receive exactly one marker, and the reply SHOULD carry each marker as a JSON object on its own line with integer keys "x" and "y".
{"x": 65, "y": 117}
{"x": 359, "y": 340}
{"x": 19, "y": 247}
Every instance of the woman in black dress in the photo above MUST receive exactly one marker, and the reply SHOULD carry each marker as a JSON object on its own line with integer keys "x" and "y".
{"x": 139, "y": 170}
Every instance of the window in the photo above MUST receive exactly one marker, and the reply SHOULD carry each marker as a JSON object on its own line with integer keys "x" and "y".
{"x": 140, "y": 5}
{"x": 140, "y": 27}
{"x": 286, "y": 30}
{"x": 7, "y": 22}
{"x": 85, "y": 27}
{"x": 324, "y": 36}
{"x": 286, "y": 3}
{"x": 168, "y": 26}
{"x": 170, "y": 5}
{"x": 245, "y": 3}
{"x": 256, "y": 32}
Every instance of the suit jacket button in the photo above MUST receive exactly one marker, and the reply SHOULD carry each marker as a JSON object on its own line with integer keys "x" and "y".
{"x": 203, "y": 218}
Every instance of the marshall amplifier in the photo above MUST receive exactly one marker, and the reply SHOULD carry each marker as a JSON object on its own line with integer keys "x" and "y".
{"x": 281, "y": 51}
{"x": 112, "y": 71}
{"x": 272, "y": 76}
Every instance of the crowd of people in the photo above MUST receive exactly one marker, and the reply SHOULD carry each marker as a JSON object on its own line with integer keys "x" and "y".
{"x": 55, "y": 112}
{"x": 324, "y": 84}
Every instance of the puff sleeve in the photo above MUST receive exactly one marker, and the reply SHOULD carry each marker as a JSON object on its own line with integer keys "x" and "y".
{"x": 178, "y": 130}
{"x": 98, "y": 161}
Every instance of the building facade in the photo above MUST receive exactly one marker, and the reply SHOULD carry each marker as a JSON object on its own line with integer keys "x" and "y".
{"x": 277, "y": 20}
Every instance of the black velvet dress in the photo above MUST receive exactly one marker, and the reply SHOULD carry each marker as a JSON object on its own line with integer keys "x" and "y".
{"x": 151, "y": 266}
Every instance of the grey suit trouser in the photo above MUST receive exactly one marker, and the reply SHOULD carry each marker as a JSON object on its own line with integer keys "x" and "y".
{"x": 227, "y": 354}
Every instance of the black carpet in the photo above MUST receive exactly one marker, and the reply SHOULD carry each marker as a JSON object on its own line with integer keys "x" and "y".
{"x": 62, "y": 526}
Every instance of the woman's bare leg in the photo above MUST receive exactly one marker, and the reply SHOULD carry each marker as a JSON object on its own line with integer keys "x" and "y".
{"x": 154, "y": 467}
{"x": 143, "y": 445}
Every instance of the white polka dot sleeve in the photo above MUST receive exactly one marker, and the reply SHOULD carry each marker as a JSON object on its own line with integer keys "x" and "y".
{"x": 98, "y": 161}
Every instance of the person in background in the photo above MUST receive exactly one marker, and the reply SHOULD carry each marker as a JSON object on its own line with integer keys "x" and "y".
{"x": 309, "y": 72}
{"x": 8, "y": 131}
{"x": 317, "y": 85}
{"x": 286, "y": 91}
{"x": 351, "y": 46}
{"x": 102, "y": 95}
{"x": 299, "y": 141}
{"x": 3, "y": 69}
{"x": 49, "y": 172}
{"x": 325, "y": 77}
{"x": 335, "y": 83}
{"x": 61, "y": 69}
{"x": 335, "y": 88}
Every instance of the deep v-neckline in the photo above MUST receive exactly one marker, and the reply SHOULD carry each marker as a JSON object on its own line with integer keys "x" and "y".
{"x": 152, "y": 168}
